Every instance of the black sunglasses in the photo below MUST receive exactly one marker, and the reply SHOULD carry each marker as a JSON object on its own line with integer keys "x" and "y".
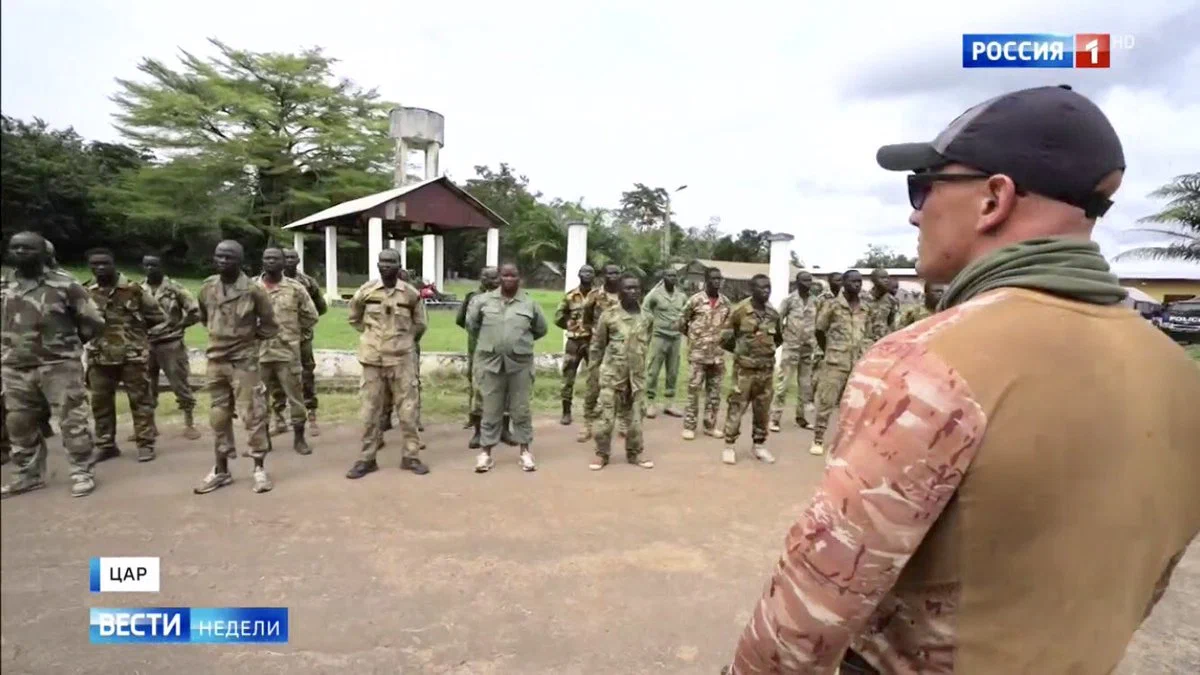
{"x": 920, "y": 184}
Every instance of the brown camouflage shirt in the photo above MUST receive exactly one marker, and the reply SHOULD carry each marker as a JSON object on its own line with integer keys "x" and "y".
{"x": 845, "y": 329}
{"x": 619, "y": 344}
{"x": 701, "y": 322}
{"x": 596, "y": 303}
{"x": 569, "y": 315}
{"x": 129, "y": 313}
{"x": 390, "y": 320}
{"x": 237, "y": 316}
{"x": 318, "y": 299}
{"x": 912, "y": 314}
{"x": 882, "y": 313}
{"x": 294, "y": 312}
{"x": 177, "y": 305}
{"x": 752, "y": 335}
{"x": 799, "y": 317}
{"x": 42, "y": 320}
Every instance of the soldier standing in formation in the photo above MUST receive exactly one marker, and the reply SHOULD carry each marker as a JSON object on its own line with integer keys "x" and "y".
{"x": 883, "y": 308}
{"x": 664, "y": 304}
{"x": 489, "y": 278}
{"x": 167, "y": 351}
{"x": 119, "y": 355}
{"x": 569, "y": 317}
{"x": 752, "y": 333}
{"x": 599, "y": 300}
{"x": 45, "y": 318}
{"x": 702, "y": 320}
{"x": 388, "y": 313}
{"x": 308, "y": 362}
{"x": 799, "y": 316}
{"x": 928, "y": 306}
{"x": 620, "y": 340}
{"x": 238, "y": 315}
{"x": 507, "y": 322}
{"x": 843, "y": 333}
{"x": 279, "y": 357}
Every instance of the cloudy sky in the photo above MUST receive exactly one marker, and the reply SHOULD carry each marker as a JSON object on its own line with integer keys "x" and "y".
{"x": 770, "y": 112}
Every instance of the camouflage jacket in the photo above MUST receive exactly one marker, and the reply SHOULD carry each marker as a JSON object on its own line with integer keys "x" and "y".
{"x": 619, "y": 344}
{"x": 129, "y": 313}
{"x": 507, "y": 329}
{"x": 237, "y": 317}
{"x": 45, "y": 320}
{"x": 752, "y": 335}
{"x": 799, "y": 317}
{"x": 597, "y": 302}
{"x": 178, "y": 306}
{"x": 665, "y": 309}
{"x": 318, "y": 299}
{"x": 569, "y": 315}
{"x": 294, "y": 312}
{"x": 390, "y": 320}
{"x": 881, "y": 315}
{"x": 912, "y": 314}
{"x": 463, "y": 310}
{"x": 702, "y": 322}
{"x": 845, "y": 330}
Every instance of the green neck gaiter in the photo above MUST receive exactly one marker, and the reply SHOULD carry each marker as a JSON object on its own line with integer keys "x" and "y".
{"x": 1066, "y": 267}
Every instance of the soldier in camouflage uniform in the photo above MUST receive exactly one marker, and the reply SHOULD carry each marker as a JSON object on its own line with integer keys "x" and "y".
{"x": 664, "y": 303}
{"x": 702, "y": 320}
{"x": 599, "y": 300}
{"x": 914, "y": 313}
{"x": 489, "y": 278}
{"x": 308, "y": 362}
{"x": 167, "y": 351}
{"x": 569, "y": 317}
{"x": 752, "y": 333}
{"x": 279, "y": 358}
{"x": 620, "y": 341}
{"x": 238, "y": 315}
{"x": 883, "y": 308}
{"x": 799, "y": 316}
{"x": 833, "y": 289}
{"x": 45, "y": 317}
{"x": 389, "y": 314}
{"x": 118, "y": 355}
{"x": 842, "y": 331}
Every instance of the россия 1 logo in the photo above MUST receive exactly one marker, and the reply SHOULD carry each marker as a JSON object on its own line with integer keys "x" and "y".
{"x": 1040, "y": 50}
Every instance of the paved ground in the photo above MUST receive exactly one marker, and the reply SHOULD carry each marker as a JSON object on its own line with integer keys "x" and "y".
{"x": 562, "y": 571}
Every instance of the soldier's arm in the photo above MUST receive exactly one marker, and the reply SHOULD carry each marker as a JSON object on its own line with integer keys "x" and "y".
{"x": 420, "y": 322}
{"x": 841, "y": 534}
{"x": 89, "y": 321}
{"x": 729, "y": 331}
{"x": 191, "y": 309}
{"x": 318, "y": 299}
{"x": 650, "y": 301}
{"x": 824, "y": 317}
{"x": 308, "y": 311}
{"x": 475, "y": 316}
{"x": 784, "y": 308}
{"x": 355, "y": 313}
{"x": 539, "y": 322}
{"x": 589, "y": 311}
{"x": 268, "y": 327}
{"x": 685, "y": 319}
{"x": 201, "y": 309}
{"x": 778, "y": 332}
{"x": 560, "y": 313}
{"x": 599, "y": 342}
{"x": 150, "y": 310}
{"x": 460, "y": 319}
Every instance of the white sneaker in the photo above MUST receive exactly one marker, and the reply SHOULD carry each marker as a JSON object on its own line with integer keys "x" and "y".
{"x": 816, "y": 449}
{"x": 527, "y": 463}
{"x": 775, "y": 428}
{"x": 763, "y": 454}
{"x": 652, "y": 412}
{"x": 262, "y": 482}
{"x": 729, "y": 456}
{"x": 484, "y": 462}
{"x": 689, "y": 435}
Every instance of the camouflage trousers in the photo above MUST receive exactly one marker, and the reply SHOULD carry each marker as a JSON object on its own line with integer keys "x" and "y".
{"x": 44, "y": 419}
{"x": 389, "y": 405}
{"x": 26, "y": 392}
{"x": 280, "y": 400}
{"x": 506, "y": 392}
{"x": 663, "y": 350}
{"x": 591, "y": 396}
{"x": 102, "y": 381}
{"x": 574, "y": 354}
{"x": 831, "y": 383}
{"x": 626, "y": 403}
{"x": 706, "y": 378}
{"x": 238, "y": 384}
{"x": 172, "y": 360}
{"x": 751, "y": 389}
{"x": 282, "y": 380}
{"x": 383, "y": 389}
{"x": 798, "y": 362}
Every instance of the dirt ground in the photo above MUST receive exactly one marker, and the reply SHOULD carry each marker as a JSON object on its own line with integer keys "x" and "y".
{"x": 560, "y": 571}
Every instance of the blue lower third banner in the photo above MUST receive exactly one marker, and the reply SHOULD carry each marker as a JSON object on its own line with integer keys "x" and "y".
{"x": 198, "y": 625}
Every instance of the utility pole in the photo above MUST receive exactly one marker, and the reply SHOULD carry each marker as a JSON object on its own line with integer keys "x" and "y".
{"x": 666, "y": 242}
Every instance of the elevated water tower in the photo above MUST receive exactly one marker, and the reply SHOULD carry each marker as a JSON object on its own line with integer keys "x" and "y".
{"x": 424, "y": 131}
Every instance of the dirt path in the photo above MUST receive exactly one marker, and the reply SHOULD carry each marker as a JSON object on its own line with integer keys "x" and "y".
{"x": 561, "y": 571}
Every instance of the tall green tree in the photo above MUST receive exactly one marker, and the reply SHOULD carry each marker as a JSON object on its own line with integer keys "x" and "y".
{"x": 883, "y": 256}
{"x": 1178, "y": 221}
{"x": 644, "y": 207}
{"x": 747, "y": 246}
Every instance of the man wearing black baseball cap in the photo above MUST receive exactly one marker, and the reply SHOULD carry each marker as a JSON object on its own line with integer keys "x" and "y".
{"x": 1013, "y": 478}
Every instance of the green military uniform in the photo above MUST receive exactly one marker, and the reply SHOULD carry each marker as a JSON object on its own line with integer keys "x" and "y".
{"x": 119, "y": 355}
{"x": 882, "y": 313}
{"x": 799, "y": 317}
{"x": 664, "y": 309}
{"x": 43, "y": 323}
{"x": 167, "y": 351}
{"x": 238, "y": 317}
{"x": 476, "y": 397}
{"x": 702, "y": 321}
{"x": 570, "y": 315}
{"x": 598, "y": 301}
{"x": 846, "y": 338}
{"x": 390, "y": 320}
{"x": 620, "y": 340}
{"x": 279, "y": 358}
{"x": 752, "y": 335}
{"x": 912, "y": 314}
{"x": 507, "y": 329}
{"x": 308, "y": 362}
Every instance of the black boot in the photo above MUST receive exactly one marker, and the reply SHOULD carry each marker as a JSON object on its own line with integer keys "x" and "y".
{"x": 506, "y": 432}
{"x": 361, "y": 469}
{"x": 107, "y": 454}
{"x": 474, "y": 442}
{"x": 566, "y": 418}
{"x": 414, "y": 465}
{"x": 298, "y": 443}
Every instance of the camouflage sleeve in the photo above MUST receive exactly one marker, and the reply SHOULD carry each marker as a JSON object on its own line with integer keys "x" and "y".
{"x": 474, "y": 317}
{"x": 318, "y": 298}
{"x": 729, "y": 330}
{"x": 539, "y": 322}
{"x": 89, "y": 321}
{"x": 589, "y": 310}
{"x": 307, "y": 311}
{"x": 151, "y": 312}
{"x": 685, "y": 318}
{"x": 420, "y": 320}
{"x": 909, "y": 430}
{"x": 267, "y": 326}
{"x": 599, "y": 342}
{"x": 356, "y": 309}
{"x": 191, "y": 309}
{"x": 560, "y": 313}
{"x": 778, "y": 331}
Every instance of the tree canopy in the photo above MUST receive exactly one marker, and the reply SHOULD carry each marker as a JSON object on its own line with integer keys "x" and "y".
{"x": 883, "y": 256}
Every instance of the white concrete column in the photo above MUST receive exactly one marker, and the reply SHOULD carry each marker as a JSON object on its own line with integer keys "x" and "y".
{"x": 440, "y": 263}
{"x": 403, "y": 253}
{"x": 331, "y": 264}
{"x": 576, "y": 253}
{"x": 493, "y": 246}
{"x": 428, "y": 258}
{"x": 780, "y": 267}
{"x": 431, "y": 162}
{"x": 374, "y": 246}
{"x": 298, "y": 245}
{"x": 401, "y": 162}
{"x": 391, "y": 243}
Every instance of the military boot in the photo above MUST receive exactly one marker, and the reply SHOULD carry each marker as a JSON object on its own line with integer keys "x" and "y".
{"x": 475, "y": 424}
{"x": 313, "y": 429}
{"x": 585, "y": 434}
{"x": 566, "y": 417}
{"x": 362, "y": 468}
{"x": 190, "y": 431}
{"x": 107, "y": 454}
{"x": 298, "y": 443}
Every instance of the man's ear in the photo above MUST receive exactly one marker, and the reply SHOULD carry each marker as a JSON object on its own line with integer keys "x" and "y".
{"x": 996, "y": 203}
